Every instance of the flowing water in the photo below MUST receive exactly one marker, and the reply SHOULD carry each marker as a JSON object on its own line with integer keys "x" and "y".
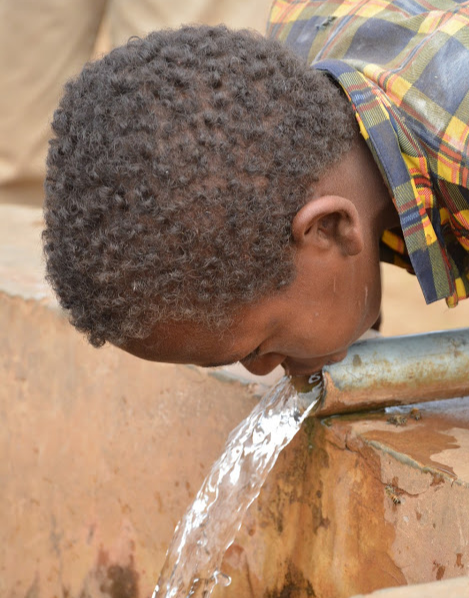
{"x": 192, "y": 566}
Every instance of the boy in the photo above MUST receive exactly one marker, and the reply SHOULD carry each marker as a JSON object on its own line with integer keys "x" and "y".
{"x": 213, "y": 198}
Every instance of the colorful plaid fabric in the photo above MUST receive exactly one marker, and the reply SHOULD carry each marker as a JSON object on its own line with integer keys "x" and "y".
{"x": 404, "y": 65}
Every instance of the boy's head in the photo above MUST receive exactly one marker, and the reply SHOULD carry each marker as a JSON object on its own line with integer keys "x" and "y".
{"x": 178, "y": 165}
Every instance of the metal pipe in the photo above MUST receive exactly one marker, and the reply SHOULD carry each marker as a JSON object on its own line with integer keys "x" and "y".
{"x": 398, "y": 370}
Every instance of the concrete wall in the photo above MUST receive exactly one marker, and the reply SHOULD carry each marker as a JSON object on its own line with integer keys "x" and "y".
{"x": 361, "y": 502}
{"x": 102, "y": 453}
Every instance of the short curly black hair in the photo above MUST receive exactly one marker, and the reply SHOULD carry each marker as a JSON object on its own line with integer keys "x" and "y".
{"x": 178, "y": 163}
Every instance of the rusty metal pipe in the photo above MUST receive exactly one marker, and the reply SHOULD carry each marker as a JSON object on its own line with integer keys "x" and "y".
{"x": 398, "y": 371}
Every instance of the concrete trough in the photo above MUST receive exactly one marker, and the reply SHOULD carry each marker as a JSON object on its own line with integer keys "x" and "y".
{"x": 102, "y": 453}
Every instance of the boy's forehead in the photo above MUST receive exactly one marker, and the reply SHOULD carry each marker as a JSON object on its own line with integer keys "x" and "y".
{"x": 184, "y": 342}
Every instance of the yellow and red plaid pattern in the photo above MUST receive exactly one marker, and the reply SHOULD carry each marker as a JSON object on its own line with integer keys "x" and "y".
{"x": 404, "y": 65}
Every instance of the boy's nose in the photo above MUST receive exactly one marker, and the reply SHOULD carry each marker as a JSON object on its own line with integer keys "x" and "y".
{"x": 264, "y": 364}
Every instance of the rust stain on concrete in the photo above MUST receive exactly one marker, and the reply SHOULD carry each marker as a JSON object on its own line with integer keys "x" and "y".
{"x": 110, "y": 579}
{"x": 431, "y": 442}
{"x": 294, "y": 585}
{"x": 440, "y": 570}
{"x": 418, "y": 443}
{"x": 456, "y": 456}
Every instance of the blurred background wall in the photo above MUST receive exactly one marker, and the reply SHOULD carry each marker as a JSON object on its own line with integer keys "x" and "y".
{"x": 43, "y": 43}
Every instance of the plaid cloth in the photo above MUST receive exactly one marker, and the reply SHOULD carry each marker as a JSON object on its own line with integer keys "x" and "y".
{"x": 404, "y": 65}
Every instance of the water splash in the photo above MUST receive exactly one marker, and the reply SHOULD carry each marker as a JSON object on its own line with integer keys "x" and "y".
{"x": 192, "y": 566}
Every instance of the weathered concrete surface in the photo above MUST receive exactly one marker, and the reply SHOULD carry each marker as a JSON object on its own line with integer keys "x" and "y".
{"x": 359, "y": 503}
{"x": 452, "y": 588}
{"x": 101, "y": 454}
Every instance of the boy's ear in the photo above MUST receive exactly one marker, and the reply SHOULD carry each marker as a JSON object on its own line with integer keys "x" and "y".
{"x": 326, "y": 221}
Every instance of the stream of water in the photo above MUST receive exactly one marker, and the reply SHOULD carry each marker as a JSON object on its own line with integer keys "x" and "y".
{"x": 193, "y": 561}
